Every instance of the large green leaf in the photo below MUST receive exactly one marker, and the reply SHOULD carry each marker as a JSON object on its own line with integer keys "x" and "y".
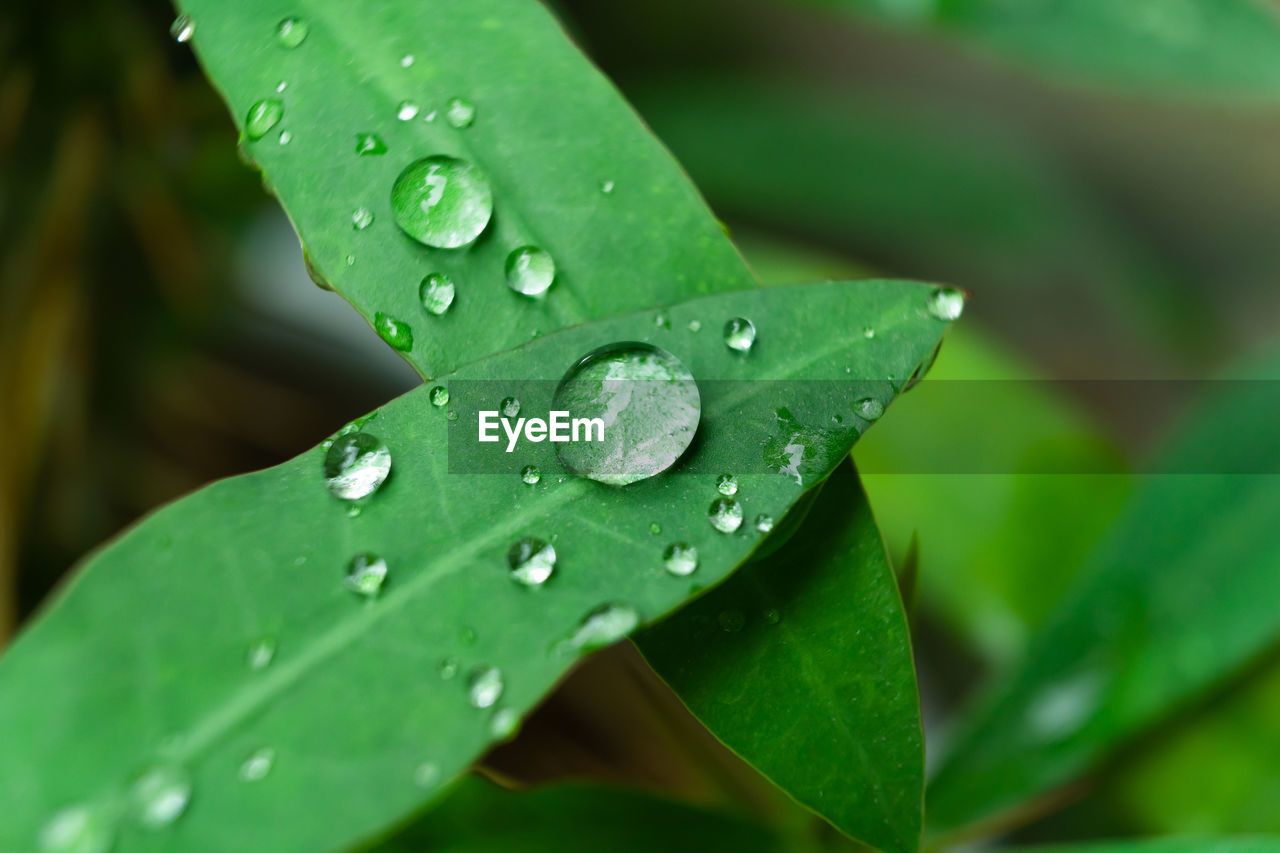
{"x": 1179, "y": 596}
{"x": 140, "y": 662}
{"x": 802, "y": 664}
{"x": 549, "y": 132}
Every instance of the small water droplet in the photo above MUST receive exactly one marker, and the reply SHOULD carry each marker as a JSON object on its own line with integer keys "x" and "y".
{"x": 436, "y": 293}
{"x": 351, "y": 259}
{"x": 946, "y": 303}
{"x": 442, "y": 202}
{"x": 532, "y": 561}
{"x": 868, "y": 408}
{"x": 485, "y": 686}
{"x": 366, "y": 573}
{"x": 725, "y": 515}
{"x": 727, "y": 485}
{"x": 160, "y": 796}
{"x": 453, "y": 416}
{"x": 262, "y": 652}
{"x": 764, "y": 523}
{"x": 695, "y": 325}
{"x": 655, "y": 528}
{"x": 258, "y": 764}
{"x": 406, "y": 60}
{"x": 292, "y": 32}
{"x": 282, "y": 85}
{"x": 731, "y": 621}
{"x": 362, "y": 218}
{"x": 262, "y": 116}
{"x": 431, "y": 116}
{"x": 439, "y": 396}
{"x": 285, "y": 137}
{"x": 510, "y": 407}
{"x": 82, "y": 828}
{"x": 661, "y": 321}
{"x": 739, "y": 334}
{"x": 603, "y": 626}
{"x": 182, "y": 29}
{"x": 448, "y": 668}
{"x": 356, "y": 465}
{"x": 530, "y": 271}
{"x": 467, "y": 635}
{"x": 868, "y": 333}
{"x": 395, "y": 332}
{"x": 505, "y": 723}
{"x": 530, "y": 475}
{"x": 460, "y": 112}
{"x": 772, "y": 616}
{"x": 680, "y": 558}
{"x": 370, "y": 145}
{"x": 606, "y": 187}
{"x": 406, "y": 111}
{"x": 426, "y": 774}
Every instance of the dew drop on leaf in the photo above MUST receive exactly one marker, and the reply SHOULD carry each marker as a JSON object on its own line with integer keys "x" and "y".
{"x": 362, "y": 218}
{"x": 460, "y": 113}
{"x": 764, "y": 523}
{"x": 448, "y": 668}
{"x": 727, "y": 485}
{"x": 370, "y": 145}
{"x": 442, "y": 202}
{"x": 604, "y": 626}
{"x": 868, "y": 408}
{"x": 292, "y": 32}
{"x": 397, "y": 333}
{"x": 655, "y": 528}
{"x": 530, "y": 270}
{"x": 485, "y": 686}
{"x": 725, "y": 515}
{"x": 439, "y": 396}
{"x": 366, "y": 573}
{"x": 82, "y": 828}
{"x": 530, "y": 475}
{"x": 946, "y": 303}
{"x": 606, "y": 187}
{"x": 739, "y": 334}
{"x": 436, "y": 293}
{"x": 510, "y": 407}
{"x": 868, "y": 333}
{"x": 160, "y": 796}
{"x": 772, "y": 616}
{"x": 680, "y": 558}
{"x": 285, "y": 137}
{"x": 406, "y": 60}
{"x": 263, "y": 115}
{"x": 426, "y": 774}
{"x": 258, "y": 764}
{"x": 356, "y": 465}
{"x": 261, "y": 653}
{"x": 505, "y": 723}
{"x": 695, "y": 325}
{"x": 531, "y": 561}
{"x": 406, "y": 111}
{"x": 182, "y": 29}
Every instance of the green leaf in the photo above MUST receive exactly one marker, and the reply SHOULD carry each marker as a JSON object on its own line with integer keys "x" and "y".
{"x": 1218, "y": 47}
{"x": 1180, "y": 595}
{"x": 801, "y": 663}
{"x": 548, "y": 133}
{"x": 478, "y": 817}
{"x": 1243, "y": 844}
{"x": 142, "y": 660}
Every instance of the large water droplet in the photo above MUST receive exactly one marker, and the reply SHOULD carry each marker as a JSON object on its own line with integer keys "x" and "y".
{"x": 182, "y": 29}
{"x": 485, "y": 686}
{"x": 530, "y": 475}
{"x": 604, "y": 626}
{"x": 362, "y": 218}
{"x": 868, "y": 408}
{"x": 262, "y": 116}
{"x": 946, "y": 303}
{"x": 739, "y": 334}
{"x": 460, "y": 112}
{"x": 160, "y": 795}
{"x": 725, "y": 515}
{"x": 530, "y": 271}
{"x": 356, "y": 465}
{"x": 397, "y": 333}
{"x": 292, "y": 32}
{"x": 370, "y": 145}
{"x": 83, "y": 828}
{"x": 436, "y": 293}
{"x": 681, "y": 559}
{"x": 531, "y": 560}
{"x": 727, "y": 485}
{"x": 510, "y": 407}
{"x": 442, "y": 202}
{"x": 366, "y": 574}
{"x": 258, "y": 764}
{"x": 439, "y": 396}
{"x": 649, "y": 406}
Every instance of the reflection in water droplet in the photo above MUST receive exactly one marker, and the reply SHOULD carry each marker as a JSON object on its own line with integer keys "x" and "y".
{"x": 460, "y": 113}
{"x": 83, "y": 828}
{"x": 530, "y": 271}
{"x": 868, "y": 408}
{"x": 182, "y": 29}
{"x": 681, "y": 559}
{"x": 426, "y": 774}
{"x": 505, "y": 723}
{"x": 356, "y": 465}
{"x": 439, "y": 396}
{"x": 436, "y": 293}
{"x": 258, "y": 764}
{"x": 731, "y": 621}
{"x": 365, "y": 574}
{"x": 261, "y": 653}
{"x": 764, "y": 523}
{"x": 739, "y": 334}
{"x": 362, "y": 218}
{"x": 406, "y": 110}
{"x": 160, "y": 796}
{"x": 442, "y": 202}
{"x": 263, "y": 115}
{"x": 448, "y": 668}
{"x": 603, "y": 626}
{"x": 370, "y": 145}
{"x": 946, "y": 303}
{"x": 395, "y": 332}
{"x": 727, "y": 485}
{"x": 510, "y": 407}
{"x": 485, "y": 686}
{"x": 292, "y": 32}
{"x": 530, "y": 475}
{"x": 645, "y": 406}
{"x": 531, "y": 561}
{"x": 725, "y": 515}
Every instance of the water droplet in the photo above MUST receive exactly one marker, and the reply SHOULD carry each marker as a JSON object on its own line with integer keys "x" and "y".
{"x": 282, "y": 85}
{"x": 362, "y": 218}
{"x": 366, "y": 574}
{"x": 356, "y": 465}
{"x": 802, "y": 452}
{"x": 731, "y": 621}
{"x": 285, "y": 137}
{"x": 680, "y": 558}
{"x": 370, "y": 145}
{"x": 868, "y": 408}
{"x": 739, "y": 334}
{"x": 426, "y": 774}
{"x": 160, "y": 796}
{"x": 661, "y": 321}
{"x": 772, "y": 616}
{"x": 606, "y": 187}
{"x": 868, "y": 333}
{"x": 258, "y": 764}
{"x": 83, "y": 828}
{"x": 406, "y": 110}
{"x": 505, "y": 723}
{"x": 182, "y": 29}
{"x": 655, "y": 528}
{"x": 439, "y": 396}
{"x": 460, "y": 112}
{"x": 453, "y": 416}
{"x": 946, "y": 303}
{"x": 531, "y": 560}
{"x": 727, "y": 485}
{"x": 695, "y": 325}
{"x": 530, "y": 475}
{"x": 510, "y": 407}
{"x": 485, "y": 686}
{"x": 395, "y": 332}
{"x": 647, "y": 403}
{"x": 725, "y": 515}
{"x": 263, "y": 115}
{"x": 530, "y": 271}
{"x": 764, "y": 523}
{"x": 467, "y": 635}
{"x": 604, "y": 626}
{"x": 436, "y": 293}
{"x": 442, "y": 202}
{"x": 351, "y": 259}
{"x": 262, "y": 652}
{"x": 448, "y": 668}
{"x": 292, "y": 32}
{"x": 406, "y": 60}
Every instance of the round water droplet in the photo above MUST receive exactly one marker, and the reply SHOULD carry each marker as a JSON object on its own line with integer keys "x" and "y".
{"x": 397, "y": 333}
{"x": 182, "y": 29}
{"x": 946, "y": 303}
{"x": 661, "y": 321}
{"x": 606, "y": 187}
{"x": 356, "y": 465}
{"x": 160, "y": 796}
{"x": 262, "y": 116}
{"x": 448, "y": 668}
{"x": 680, "y": 558}
{"x": 406, "y": 111}
{"x": 868, "y": 333}
{"x": 406, "y": 60}
{"x": 530, "y": 475}
{"x": 292, "y": 32}
{"x": 261, "y": 653}
{"x": 426, "y": 774}
{"x": 532, "y": 561}
{"x": 655, "y": 528}
{"x": 530, "y": 271}
{"x": 739, "y": 334}
{"x": 772, "y": 616}
{"x": 370, "y": 145}
{"x": 725, "y": 515}
{"x": 282, "y": 85}
{"x": 460, "y": 112}
{"x": 764, "y": 523}
{"x": 505, "y": 723}
{"x": 362, "y": 218}
{"x": 366, "y": 574}
{"x": 442, "y": 202}
{"x": 285, "y": 137}
{"x": 84, "y": 828}
{"x": 604, "y": 626}
{"x": 727, "y": 485}
{"x": 645, "y": 408}
{"x": 695, "y": 325}
{"x": 439, "y": 396}
{"x": 510, "y": 407}
{"x": 436, "y": 293}
{"x": 868, "y": 408}
{"x": 467, "y": 635}
{"x": 258, "y": 764}
{"x": 732, "y": 621}
{"x": 485, "y": 686}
